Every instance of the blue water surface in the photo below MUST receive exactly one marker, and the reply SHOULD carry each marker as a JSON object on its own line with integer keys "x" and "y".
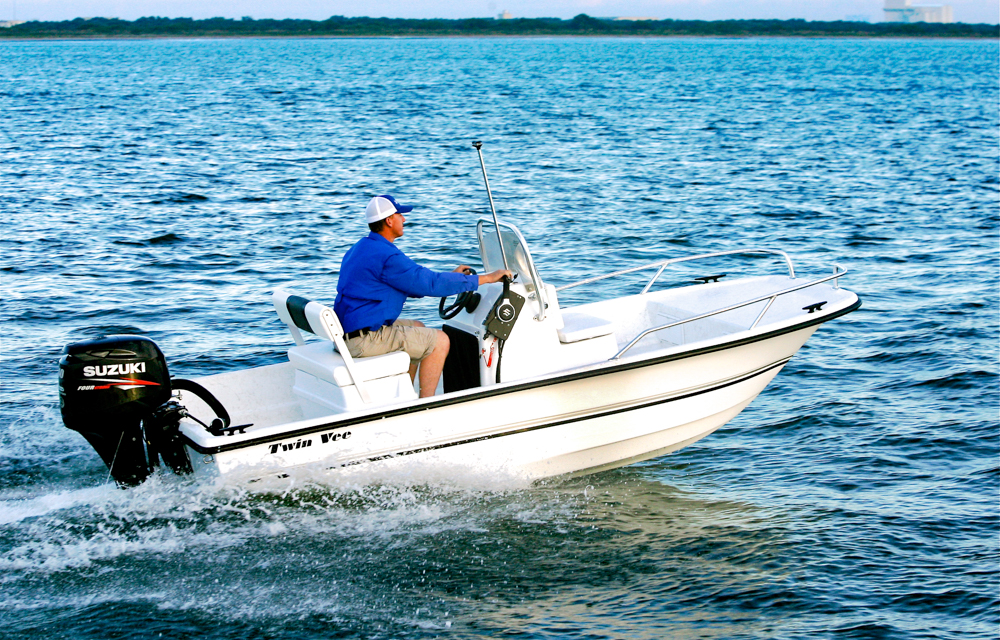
{"x": 165, "y": 187}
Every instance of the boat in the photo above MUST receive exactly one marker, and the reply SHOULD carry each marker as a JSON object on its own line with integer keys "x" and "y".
{"x": 531, "y": 388}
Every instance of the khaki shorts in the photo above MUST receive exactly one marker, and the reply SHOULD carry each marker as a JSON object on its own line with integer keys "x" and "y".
{"x": 417, "y": 342}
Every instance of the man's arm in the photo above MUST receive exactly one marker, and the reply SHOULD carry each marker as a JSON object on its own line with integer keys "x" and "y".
{"x": 487, "y": 278}
{"x": 403, "y": 274}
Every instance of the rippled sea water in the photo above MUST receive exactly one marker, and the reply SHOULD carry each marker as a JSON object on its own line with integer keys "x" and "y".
{"x": 165, "y": 187}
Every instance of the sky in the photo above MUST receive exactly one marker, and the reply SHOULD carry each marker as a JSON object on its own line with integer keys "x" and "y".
{"x": 973, "y": 11}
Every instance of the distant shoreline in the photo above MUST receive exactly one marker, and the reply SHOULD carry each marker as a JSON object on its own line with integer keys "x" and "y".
{"x": 472, "y": 37}
{"x": 581, "y": 25}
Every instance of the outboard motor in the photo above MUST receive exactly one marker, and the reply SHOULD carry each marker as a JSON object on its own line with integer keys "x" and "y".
{"x": 116, "y": 391}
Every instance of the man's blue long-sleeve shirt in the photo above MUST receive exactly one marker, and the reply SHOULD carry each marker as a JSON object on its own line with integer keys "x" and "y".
{"x": 376, "y": 278}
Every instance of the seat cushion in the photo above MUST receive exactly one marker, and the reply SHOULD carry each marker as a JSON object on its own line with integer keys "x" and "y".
{"x": 319, "y": 359}
{"x": 580, "y": 326}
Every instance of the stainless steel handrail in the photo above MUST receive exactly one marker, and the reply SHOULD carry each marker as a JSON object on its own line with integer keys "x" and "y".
{"x": 839, "y": 272}
{"x": 663, "y": 264}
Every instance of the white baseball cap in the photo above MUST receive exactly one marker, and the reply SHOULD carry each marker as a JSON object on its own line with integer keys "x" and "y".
{"x": 381, "y": 207}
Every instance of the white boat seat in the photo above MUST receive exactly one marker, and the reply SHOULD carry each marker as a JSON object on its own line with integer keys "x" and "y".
{"x": 320, "y": 360}
{"x": 581, "y": 326}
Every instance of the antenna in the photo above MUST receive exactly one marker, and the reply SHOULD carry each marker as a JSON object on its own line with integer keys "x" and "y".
{"x": 479, "y": 147}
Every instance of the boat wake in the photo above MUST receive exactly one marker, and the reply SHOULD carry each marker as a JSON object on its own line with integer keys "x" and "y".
{"x": 95, "y": 527}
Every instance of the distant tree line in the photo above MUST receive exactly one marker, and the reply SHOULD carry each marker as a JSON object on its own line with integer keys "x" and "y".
{"x": 581, "y": 25}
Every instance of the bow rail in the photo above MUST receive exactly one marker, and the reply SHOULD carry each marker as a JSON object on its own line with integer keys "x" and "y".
{"x": 663, "y": 264}
{"x": 838, "y": 272}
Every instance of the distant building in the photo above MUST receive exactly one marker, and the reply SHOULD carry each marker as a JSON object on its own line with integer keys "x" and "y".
{"x": 7, "y": 24}
{"x": 903, "y": 11}
{"x": 506, "y": 15}
{"x": 857, "y": 18}
{"x": 636, "y": 19}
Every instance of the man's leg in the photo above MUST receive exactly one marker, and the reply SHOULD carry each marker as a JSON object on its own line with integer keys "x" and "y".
{"x": 432, "y": 366}
{"x": 413, "y": 363}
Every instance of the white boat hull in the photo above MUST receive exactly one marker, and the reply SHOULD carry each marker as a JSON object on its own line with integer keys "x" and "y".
{"x": 596, "y": 418}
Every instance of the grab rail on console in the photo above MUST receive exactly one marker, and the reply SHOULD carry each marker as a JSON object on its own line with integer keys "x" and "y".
{"x": 838, "y": 272}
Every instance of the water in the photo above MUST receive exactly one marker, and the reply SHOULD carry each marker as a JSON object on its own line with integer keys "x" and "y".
{"x": 166, "y": 187}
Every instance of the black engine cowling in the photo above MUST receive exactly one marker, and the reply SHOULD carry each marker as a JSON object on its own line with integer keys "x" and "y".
{"x": 114, "y": 390}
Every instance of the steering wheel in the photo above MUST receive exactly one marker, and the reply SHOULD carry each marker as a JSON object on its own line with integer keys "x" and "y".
{"x": 466, "y": 300}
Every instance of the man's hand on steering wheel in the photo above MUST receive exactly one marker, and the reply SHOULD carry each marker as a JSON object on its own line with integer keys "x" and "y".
{"x": 496, "y": 276}
{"x": 446, "y": 311}
{"x": 486, "y": 278}
{"x": 469, "y": 299}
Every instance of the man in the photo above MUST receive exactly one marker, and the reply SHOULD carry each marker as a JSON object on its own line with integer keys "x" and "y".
{"x": 376, "y": 278}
